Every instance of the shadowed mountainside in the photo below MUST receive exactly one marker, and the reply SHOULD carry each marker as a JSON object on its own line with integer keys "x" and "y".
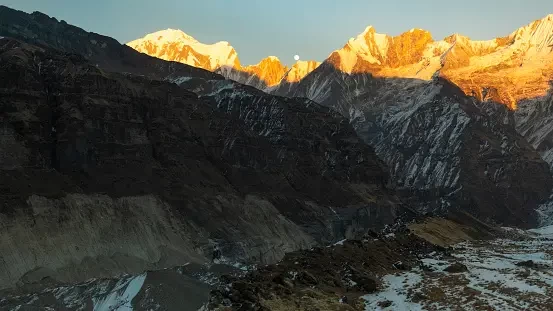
{"x": 125, "y": 173}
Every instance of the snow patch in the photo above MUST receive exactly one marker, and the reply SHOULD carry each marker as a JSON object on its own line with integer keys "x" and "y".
{"x": 396, "y": 293}
{"x": 121, "y": 296}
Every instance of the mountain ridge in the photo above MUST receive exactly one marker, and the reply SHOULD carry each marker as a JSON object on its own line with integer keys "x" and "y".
{"x": 220, "y": 57}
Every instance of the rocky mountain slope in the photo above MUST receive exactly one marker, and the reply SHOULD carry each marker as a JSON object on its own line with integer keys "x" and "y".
{"x": 329, "y": 278}
{"x": 514, "y": 70}
{"x": 125, "y": 173}
{"x": 443, "y": 148}
{"x": 407, "y": 97}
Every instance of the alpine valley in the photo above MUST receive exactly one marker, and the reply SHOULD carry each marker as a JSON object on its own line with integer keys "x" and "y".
{"x": 163, "y": 174}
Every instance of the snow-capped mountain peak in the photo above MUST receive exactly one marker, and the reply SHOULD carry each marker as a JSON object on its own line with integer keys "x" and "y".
{"x": 176, "y": 45}
{"x": 369, "y": 45}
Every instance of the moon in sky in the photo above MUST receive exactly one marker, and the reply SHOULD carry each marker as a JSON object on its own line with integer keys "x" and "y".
{"x": 296, "y": 57}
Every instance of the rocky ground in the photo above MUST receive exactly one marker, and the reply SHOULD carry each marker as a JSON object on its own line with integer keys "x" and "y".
{"x": 323, "y": 278}
{"x": 396, "y": 270}
{"x": 504, "y": 274}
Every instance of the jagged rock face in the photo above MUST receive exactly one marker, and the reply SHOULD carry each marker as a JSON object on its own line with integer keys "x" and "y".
{"x": 175, "y": 45}
{"x": 270, "y": 75}
{"x": 125, "y": 173}
{"x": 276, "y": 118}
{"x": 105, "y": 52}
{"x": 534, "y": 120}
{"x": 408, "y": 47}
{"x": 444, "y": 150}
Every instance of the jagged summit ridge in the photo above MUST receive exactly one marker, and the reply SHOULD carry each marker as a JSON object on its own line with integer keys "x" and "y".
{"x": 220, "y": 57}
{"x": 505, "y": 69}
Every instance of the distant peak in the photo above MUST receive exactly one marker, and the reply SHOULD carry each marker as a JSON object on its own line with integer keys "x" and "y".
{"x": 306, "y": 63}
{"x": 417, "y": 30}
{"x": 268, "y": 59}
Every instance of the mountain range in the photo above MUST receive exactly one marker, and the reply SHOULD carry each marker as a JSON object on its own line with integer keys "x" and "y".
{"x": 166, "y": 151}
{"x": 484, "y": 69}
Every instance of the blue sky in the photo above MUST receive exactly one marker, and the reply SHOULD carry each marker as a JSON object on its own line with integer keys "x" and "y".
{"x": 310, "y": 28}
